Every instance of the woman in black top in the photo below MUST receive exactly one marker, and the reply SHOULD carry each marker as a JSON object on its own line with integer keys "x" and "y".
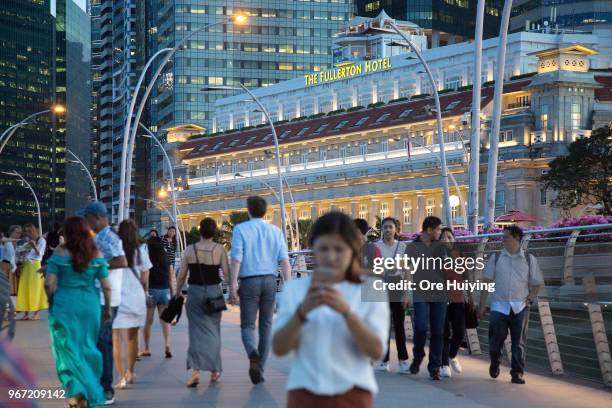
{"x": 162, "y": 286}
{"x": 201, "y": 269}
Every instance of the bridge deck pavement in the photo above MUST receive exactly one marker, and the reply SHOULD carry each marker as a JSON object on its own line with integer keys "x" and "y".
{"x": 160, "y": 382}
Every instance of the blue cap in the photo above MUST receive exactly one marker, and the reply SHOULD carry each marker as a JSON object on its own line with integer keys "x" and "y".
{"x": 94, "y": 208}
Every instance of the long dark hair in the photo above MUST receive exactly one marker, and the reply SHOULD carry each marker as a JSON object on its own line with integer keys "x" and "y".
{"x": 80, "y": 242}
{"x": 157, "y": 253}
{"x": 175, "y": 232}
{"x": 128, "y": 232}
{"x": 336, "y": 222}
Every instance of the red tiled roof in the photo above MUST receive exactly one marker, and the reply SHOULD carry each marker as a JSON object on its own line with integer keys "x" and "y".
{"x": 453, "y": 104}
{"x": 604, "y": 94}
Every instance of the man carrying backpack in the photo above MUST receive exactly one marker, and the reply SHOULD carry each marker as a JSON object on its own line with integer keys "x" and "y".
{"x": 518, "y": 279}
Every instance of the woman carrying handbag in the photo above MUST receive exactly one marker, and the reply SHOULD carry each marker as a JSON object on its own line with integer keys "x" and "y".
{"x": 205, "y": 302}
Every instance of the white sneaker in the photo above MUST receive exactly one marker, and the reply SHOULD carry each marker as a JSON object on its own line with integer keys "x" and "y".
{"x": 381, "y": 366}
{"x": 445, "y": 371}
{"x": 404, "y": 367}
{"x": 456, "y": 365}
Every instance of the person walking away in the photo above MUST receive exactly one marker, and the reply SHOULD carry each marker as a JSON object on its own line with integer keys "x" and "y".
{"x": 429, "y": 305}
{"x": 71, "y": 274}
{"x": 170, "y": 244}
{"x": 9, "y": 256}
{"x": 454, "y": 325}
{"x": 369, "y": 250}
{"x": 332, "y": 331}
{"x": 518, "y": 280}
{"x": 257, "y": 250}
{"x": 390, "y": 247}
{"x": 162, "y": 287}
{"x": 109, "y": 243}
{"x": 54, "y": 239}
{"x": 205, "y": 302}
{"x": 31, "y": 295}
{"x": 132, "y": 311}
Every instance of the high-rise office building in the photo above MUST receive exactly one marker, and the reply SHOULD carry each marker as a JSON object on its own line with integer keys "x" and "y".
{"x": 548, "y": 15}
{"x": 281, "y": 40}
{"x": 118, "y": 35}
{"x": 44, "y": 59}
{"x": 445, "y": 21}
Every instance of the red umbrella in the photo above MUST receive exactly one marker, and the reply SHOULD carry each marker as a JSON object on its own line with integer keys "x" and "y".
{"x": 515, "y": 216}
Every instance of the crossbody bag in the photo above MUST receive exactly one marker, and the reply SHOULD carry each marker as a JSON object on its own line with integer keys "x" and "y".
{"x": 213, "y": 304}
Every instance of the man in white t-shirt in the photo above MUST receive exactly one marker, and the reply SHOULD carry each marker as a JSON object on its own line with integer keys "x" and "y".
{"x": 110, "y": 245}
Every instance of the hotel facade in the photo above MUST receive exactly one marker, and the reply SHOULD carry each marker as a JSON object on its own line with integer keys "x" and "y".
{"x": 366, "y": 144}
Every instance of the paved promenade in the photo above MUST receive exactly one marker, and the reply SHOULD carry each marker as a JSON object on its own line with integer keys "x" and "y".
{"x": 161, "y": 383}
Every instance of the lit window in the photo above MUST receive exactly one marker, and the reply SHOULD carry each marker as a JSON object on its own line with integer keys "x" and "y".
{"x": 429, "y": 207}
{"x": 285, "y": 66}
{"x": 407, "y": 212}
{"x": 576, "y": 116}
{"x": 384, "y": 210}
{"x": 363, "y": 211}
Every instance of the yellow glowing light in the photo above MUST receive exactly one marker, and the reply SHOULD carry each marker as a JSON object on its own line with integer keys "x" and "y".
{"x": 239, "y": 19}
{"x": 162, "y": 193}
{"x": 451, "y": 127}
{"x": 453, "y": 200}
{"x": 59, "y": 109}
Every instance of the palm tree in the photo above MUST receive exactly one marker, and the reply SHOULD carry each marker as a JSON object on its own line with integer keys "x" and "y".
{"x": 227, "y": 228}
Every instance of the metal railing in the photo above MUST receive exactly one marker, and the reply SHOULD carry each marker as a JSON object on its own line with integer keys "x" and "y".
{"x": 567, "y": 332}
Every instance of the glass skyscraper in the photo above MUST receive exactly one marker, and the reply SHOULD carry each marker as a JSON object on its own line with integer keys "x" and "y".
{"x": 44, "y": 58}
{"x": 447, "y": 21}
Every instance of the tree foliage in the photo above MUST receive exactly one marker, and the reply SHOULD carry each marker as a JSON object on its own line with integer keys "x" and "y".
{"x": 583, "y": 176}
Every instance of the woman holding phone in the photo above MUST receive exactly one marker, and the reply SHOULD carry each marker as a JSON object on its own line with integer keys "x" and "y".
{"x": 333, "y": 332}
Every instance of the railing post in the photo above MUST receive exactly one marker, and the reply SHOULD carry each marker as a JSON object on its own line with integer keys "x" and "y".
{"x": 599, "y": 330}
{"x": 568, "y": 258}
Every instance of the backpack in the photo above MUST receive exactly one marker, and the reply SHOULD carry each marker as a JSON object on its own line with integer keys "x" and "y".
{"x": 527, "y": 255}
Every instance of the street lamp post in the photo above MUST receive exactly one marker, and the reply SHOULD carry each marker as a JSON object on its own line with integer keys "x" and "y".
{"x": 128, "y": 139}
{"x": 489, "y": 220}
{"x": 126, "y": 130}
{"x": 474, "y": 172}
{"x": 276, "y": 145}
{"x": 84, "y": 167}
{"x": 8, "y": 133}
{"x": 453, "y": 180}
{"x": 443, "y": 165}
{"x": 15, "y": 174}
{"x": 150, "y": 135}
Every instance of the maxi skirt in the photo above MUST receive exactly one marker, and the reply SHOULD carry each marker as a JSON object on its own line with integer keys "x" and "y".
{"x": 204, "y": 351}
{"x": 74, "y": 325}
{"x": 31, "y": 296}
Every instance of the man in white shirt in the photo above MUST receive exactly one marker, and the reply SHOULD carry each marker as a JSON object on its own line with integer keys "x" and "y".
{"x": 518, "y": 279}
{"x": 110, "y": 245}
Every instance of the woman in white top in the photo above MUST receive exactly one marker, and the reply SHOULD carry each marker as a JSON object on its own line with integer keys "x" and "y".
{"x": 323, "y": 319}
{"x": 132, "y": 311}
{"x": 31, "y": 296}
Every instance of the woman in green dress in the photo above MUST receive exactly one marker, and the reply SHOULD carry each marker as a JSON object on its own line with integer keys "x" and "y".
{"x": 74, "y": 313}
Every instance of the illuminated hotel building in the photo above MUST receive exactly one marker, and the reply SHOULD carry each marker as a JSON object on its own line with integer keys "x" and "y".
{"x": 354, "y": 144}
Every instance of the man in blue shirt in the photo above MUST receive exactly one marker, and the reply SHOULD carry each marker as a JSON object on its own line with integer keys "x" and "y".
{"x": 257, "y": 249}
{"x": 110, "y": 245}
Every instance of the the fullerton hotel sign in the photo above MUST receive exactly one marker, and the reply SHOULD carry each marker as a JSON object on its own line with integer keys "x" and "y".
{"x": 347, "y": 71}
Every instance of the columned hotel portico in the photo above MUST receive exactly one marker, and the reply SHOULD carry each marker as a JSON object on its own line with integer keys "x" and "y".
{"x": 382, "y": 160}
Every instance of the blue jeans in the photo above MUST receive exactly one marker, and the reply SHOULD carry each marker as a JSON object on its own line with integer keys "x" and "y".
{"x": 432, "y": 315}
{"x": 257, "y": 294}
{"x": 499, "y": 324}
{"x": 105, "y": 345}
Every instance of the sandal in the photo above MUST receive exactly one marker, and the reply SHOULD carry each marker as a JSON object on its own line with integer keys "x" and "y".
{"x": 145, "y": 354}
{"x": 215, "y": 376}
{"x": 193, "y": 381}
{"x": 129, "y": 377}
{"x": 122, "y": 384}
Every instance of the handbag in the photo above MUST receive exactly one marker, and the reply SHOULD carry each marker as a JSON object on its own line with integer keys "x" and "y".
{"x": 174, "y": 310}
{"x": 471, "y": 316}
{"x": 215, "y": 304}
